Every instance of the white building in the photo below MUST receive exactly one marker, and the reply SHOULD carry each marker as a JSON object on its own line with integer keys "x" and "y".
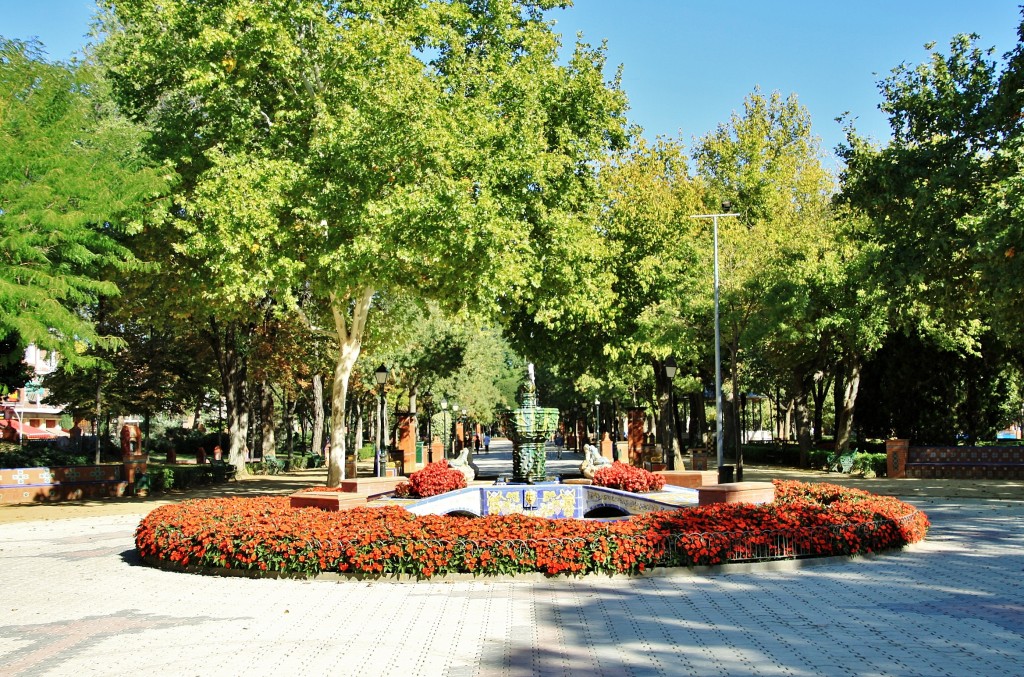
{"x": 25, "y": 413}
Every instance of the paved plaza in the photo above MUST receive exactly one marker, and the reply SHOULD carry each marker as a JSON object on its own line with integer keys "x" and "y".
{"x": 76, "y": 601}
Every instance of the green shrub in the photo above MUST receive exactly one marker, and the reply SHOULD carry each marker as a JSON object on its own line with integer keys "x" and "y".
{"x": 786, "y": 455}
{"x": 166, "y": 477}
{"x": 42, "y": 456}
{"x": 268, "y": 466}
{"x": 366, "y": 452}
{"x": 160, "y": 478}
{"x": 869, "y": 464}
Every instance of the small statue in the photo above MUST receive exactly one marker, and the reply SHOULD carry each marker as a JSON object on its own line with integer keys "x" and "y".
{"x": 461, "y": 463}
{"x": 592, "y": 461}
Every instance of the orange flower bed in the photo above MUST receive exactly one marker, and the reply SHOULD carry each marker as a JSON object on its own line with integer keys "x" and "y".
{"x": 436, "y": 478}
{"x": 267, "y": 535}
{"x": 627, "y": 477}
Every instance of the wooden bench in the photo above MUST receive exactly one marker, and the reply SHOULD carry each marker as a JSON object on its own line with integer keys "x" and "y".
{"x": 965, "y": 462}
{"x": 843, "y": 464}
{"x": 223, "y": 469}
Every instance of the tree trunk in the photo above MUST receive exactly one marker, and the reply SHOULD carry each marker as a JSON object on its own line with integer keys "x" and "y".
{"x": 698, "y": 418}
{"x": 197, "y": 415}
{"x": 663, "y": 413}
{"x": 350, "y": 341}
{"x": 318, "y": 414}
{"x": 359, "y": 426}
{"x": 846, "y": 398}
{"x": 821, "y": 387}
{"x": 737, "y": 427}
{"x": 99, "y": 413}
{"x": 290, "y": 407}
{"x": 803, "y": 422}
{"x": 233, "y": 366}
{"x": 729, "y": 449}
{"x": 413, "y": 412}
{"x": 680, "y": 426}
{"x": 268, "y": 438}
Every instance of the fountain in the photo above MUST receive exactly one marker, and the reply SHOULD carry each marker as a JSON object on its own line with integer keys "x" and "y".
{"x": 529, "y": 427}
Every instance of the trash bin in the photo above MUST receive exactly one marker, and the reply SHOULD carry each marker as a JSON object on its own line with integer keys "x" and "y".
{"x": 725, "y": 474}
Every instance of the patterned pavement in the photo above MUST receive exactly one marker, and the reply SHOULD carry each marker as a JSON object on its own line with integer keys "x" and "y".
{"x": 76, "y": 601}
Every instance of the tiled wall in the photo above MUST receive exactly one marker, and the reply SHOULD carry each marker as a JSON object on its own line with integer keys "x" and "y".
{"x": 966, "y": 462}
{"x": 61, "y": 483}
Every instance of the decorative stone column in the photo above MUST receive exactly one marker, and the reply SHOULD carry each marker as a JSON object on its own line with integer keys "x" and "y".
{"x": 460, "y": 437}
{"x": 636, "y": 417}
{"x": 407, "y": 441}
{"x": 896, "y": 457}
{"x": 606, "y": 447}
{"x": 131, "y": 454}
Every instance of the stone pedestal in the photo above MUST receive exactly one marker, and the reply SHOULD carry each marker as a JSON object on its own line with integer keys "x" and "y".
{"x": 736, "y": 492}
{"x": 636, "y": 418}
{"x": 436, "y": 452}
{"x": 689, "y": 479}
{"x": 606, "y": 447}
{"x": 354, "y": 493}
{"x": 896, "y": 457}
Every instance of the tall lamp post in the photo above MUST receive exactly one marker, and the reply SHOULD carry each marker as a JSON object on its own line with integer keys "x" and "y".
{"x": 382, "y": 377}
{"x": 597, "y": 422}
{"x": 723, "y": 472}
{"x": 670, "y": 368}
{"x": 453, "y": 452}
{"x": 428, "y": 402}
{"x": 444, "y": 427}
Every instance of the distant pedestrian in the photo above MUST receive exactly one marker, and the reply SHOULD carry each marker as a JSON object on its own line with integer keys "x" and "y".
{"x": 487, "y": 443}
{"x": 559, "y": 442}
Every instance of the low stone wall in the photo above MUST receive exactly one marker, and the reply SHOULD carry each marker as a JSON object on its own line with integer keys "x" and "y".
{"x": 61, "y": 483}
{"x": 954, "y": 462}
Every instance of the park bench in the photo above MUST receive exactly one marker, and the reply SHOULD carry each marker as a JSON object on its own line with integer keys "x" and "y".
{"x": 843, "y": 464}
{"x": 965, "y": 462}
{"x": 222, "y": 470}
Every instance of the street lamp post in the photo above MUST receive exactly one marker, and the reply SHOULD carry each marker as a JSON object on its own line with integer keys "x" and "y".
{"x": 597, "y": 422}
{"x": 382, "y": 377}
{"x": 466, "y": 442}
{"x": 428, "y": 401}
{"x": 670, "y": 368}
{"x": 722, "y": 471}
{"x": 444, "y": 427}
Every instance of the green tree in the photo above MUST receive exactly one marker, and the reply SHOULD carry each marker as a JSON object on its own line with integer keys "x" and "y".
{"x": 768, "y": 163}
{"x": 73, "y": 184}
{"x": 924, "y": 191}
{"x": 945, "y": 226}
{"x": 352, "y": 148}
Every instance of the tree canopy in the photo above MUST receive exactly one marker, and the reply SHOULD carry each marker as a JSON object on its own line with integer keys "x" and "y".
{"x": 345, "y": 149}
{"x": 73, "y": 184}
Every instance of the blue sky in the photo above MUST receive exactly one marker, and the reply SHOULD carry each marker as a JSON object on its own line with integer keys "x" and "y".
{"x": 688, "y": 64}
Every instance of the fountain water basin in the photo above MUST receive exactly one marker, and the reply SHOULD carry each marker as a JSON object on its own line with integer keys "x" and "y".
{"x": 552, "y": 501}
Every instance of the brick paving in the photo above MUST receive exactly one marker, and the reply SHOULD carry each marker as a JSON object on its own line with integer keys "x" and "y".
{"x": 76, "y": 601}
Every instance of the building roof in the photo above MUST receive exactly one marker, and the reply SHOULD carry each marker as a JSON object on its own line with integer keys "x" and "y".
{"x": 11, "y": 429}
